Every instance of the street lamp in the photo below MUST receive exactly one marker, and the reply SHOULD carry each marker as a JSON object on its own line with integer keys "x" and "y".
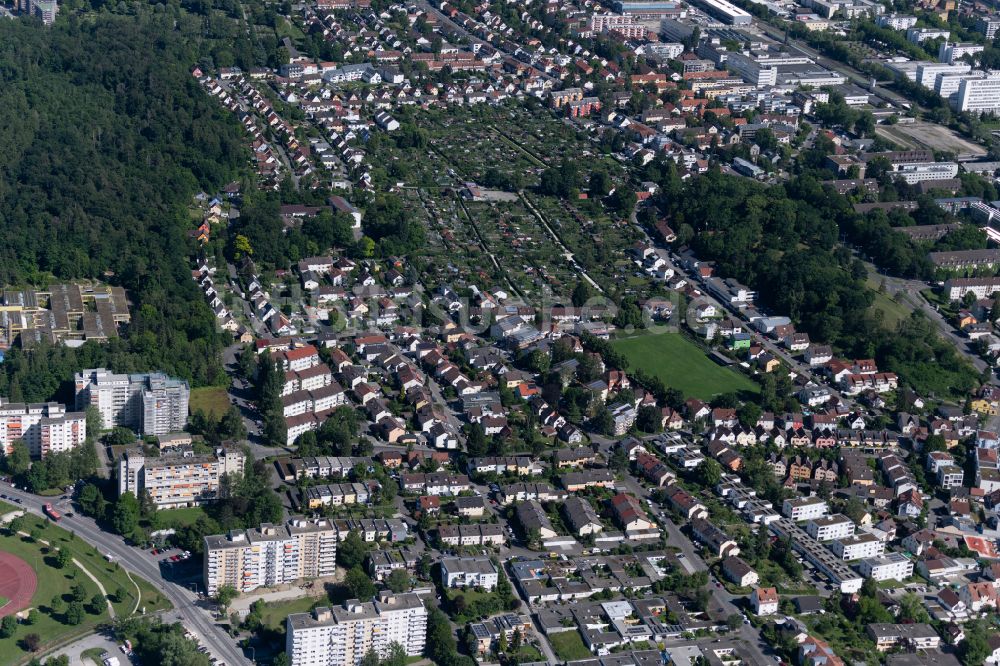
{"x": 253, "y": 653}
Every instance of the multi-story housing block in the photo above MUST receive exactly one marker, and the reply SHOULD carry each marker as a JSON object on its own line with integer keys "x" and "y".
{"x": 150, "y": 403}
{"x": 178, "y": 478}
{"x": 44, "y": 427}
{"x": 341, "y": 636}
{"x": 270, "y": 555}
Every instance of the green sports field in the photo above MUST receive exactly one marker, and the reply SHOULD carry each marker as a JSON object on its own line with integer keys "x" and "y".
{"x": 682, "y": 365}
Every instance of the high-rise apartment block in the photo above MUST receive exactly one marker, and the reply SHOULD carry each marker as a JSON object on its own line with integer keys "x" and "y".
{"x": 341, "y": 636}
{"x": 150, "y": 403}
{"x": 178, "y": 478}
{"x": 45, "y": 427}
{"x": 270, "y": 555}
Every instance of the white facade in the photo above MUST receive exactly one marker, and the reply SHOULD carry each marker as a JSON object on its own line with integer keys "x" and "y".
{"x": 827, "y": 528}
{"x": 150, "y": 403}
{"x": 917, "y": 172}
{"x": 978, "y": 95}
{"x": 469, "y": 572}
{"x": 342, "y": 636}
{"x": 927, "y": 73}
{"x": 43, "y": 427}
{"x": 270, "y": 555}
{"x": 896, "y": 22}
{"x": 951, "y": 53}
{"x": 892, "y": 566}
{"x": 804, "y": 508}
{"x": 857, "y": 547}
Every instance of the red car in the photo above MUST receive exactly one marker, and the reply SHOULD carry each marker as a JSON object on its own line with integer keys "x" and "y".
{"x": 175, "y": 558}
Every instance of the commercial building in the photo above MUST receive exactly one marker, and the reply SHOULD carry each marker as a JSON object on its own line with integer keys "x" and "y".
{"x": 150, "y": 403}
{"x": 804, "y": 508}
{"x": 857, "y": 547}
{"x": 751, "y": 70}
{"x": 178, "y": 478}
{"x": 978, "y": 95}
{"x": 827, "y": 528}
{"x": 271, "y": 555}
{"x": 341, "y": 636}
{"x": 469, "y": 572}
{"x": 892, "y": 566}
{"x": 45, "y": 427}
{"x": 724, "y": 11}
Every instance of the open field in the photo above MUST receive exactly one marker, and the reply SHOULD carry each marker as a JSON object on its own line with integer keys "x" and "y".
{"x": 892, "y": 312}
{"x": 210, "y": 399}
{"x": 920, "y": 134}
{"x": 568, "y": 645}
{"x": 682, "y": 365}
{"x": 167, "y": 518}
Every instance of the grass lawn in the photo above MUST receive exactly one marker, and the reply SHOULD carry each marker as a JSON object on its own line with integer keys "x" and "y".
{"x": 275, "y": 612}
{"x": 167, "y": 518}
{"x": 892, "y": 312}
{"x": 568, "y": 645}
{"x": 682, "y": 365}
{"x": 54, "y": 582}
{"x": 210, "y": 399}
{"x": 94, "y": 655}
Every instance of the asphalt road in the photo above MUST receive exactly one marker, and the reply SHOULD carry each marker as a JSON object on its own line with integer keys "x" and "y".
{"x": 186, "y": 603}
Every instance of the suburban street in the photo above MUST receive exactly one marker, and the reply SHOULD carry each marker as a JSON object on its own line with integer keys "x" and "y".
{"x": 192, "y": 611}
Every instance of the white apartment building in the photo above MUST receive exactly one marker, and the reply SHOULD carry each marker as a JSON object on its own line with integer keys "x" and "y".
{"x": 988, "y": 25}
{"x": 917, "y": 172}
{"x": 896, "y": 22}
{"x": 469, "y": 572}
{"x": 341, "y": 636}
{"x": 857, "y": 547}
{"x": 751, "y": 70}
{"x": 44, "y": 427}
{"x": 950, "y": 476}
{"x": 270, "y": 555}
{"x": 149, "y": 403}
{"x": 946, "y": 85}
{"x": 804, "y": 508}
{"x": 951, "y": 53}
{"x": 978, "y": 95}
{"x": 827, "y": 528}
{"x": 177, "y": 478}
{"x": 927, "y": 73}
{"x": 893, "y": 566}
{"x": 956, "y": 288}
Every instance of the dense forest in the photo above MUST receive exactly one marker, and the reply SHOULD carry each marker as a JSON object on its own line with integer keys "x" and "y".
{"x": 105, "y": 136}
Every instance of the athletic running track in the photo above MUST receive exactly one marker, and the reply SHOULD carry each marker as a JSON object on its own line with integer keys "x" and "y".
{"x": 17, "y": 583}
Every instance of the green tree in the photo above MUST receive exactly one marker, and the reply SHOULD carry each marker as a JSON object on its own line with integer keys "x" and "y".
{"x": 79, "y": 592}
{"x": 225, "y": 595}
{"x": 360, "y": 584}
{"x": 398, "y": 581}
{"x": 125, "y": 517}
{"x": 97, "y": 604}
{"x": 33, "y": 617}
{"x": 18, "y": 460}
{"x": 352, "y": 552}
{"x": 8, "y": 626}
{"x": 74, "y": 614}
{"x": 63, "y": 558}
{"x": 709, "y": 473}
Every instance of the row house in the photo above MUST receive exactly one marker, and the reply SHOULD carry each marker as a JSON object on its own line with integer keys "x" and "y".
{"x": 471, "y": 535}
{"x": 435, "y": 483}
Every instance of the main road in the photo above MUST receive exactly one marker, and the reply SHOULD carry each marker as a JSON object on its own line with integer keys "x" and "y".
{"x": 141, "y": 563}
